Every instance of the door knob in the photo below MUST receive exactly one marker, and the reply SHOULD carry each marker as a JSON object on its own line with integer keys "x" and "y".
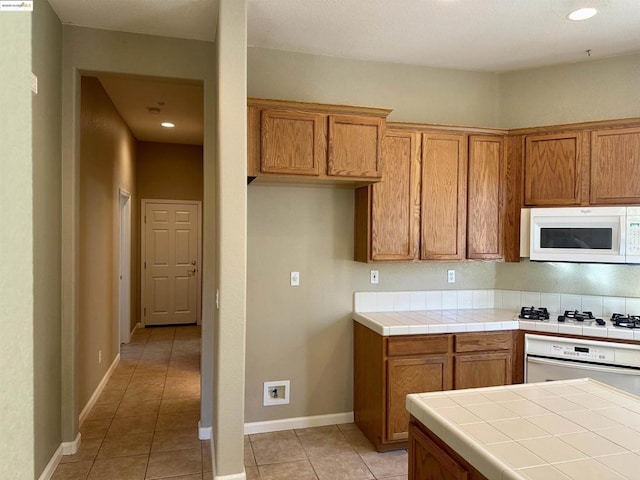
{"x": 192, "y": 271}
{"x": 193, "y": 262}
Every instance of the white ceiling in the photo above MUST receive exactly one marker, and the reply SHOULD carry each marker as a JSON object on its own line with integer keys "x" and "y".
{"x": 179, "y": 102}
{"x": 489, "y": 35}
{"x": 192, "y": 19}
{"x": 485, "y": 35}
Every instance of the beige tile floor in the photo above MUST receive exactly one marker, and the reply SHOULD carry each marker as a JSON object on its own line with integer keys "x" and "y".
{"x": 336, "y": 452}
{"x": 145, "y": 423}
{"x": 145, "y": 426}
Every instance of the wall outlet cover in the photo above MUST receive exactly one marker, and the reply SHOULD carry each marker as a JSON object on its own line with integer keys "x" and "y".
{"x": 276, "y": 393}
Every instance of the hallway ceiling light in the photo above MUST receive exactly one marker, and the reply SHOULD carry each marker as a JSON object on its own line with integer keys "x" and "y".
{"x": 582, "y": 13}
{"x": 167, "y": 124}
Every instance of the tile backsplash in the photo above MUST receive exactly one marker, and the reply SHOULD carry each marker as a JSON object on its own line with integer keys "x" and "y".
{"x": 507, "y": 299}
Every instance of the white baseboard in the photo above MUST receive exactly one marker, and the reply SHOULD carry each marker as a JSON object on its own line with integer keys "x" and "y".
{"x": 71, "y": 448}
{"x": 65, "y": 448}
{"x": 298, "y": 422}
{"x": 47, "y": 473}
{"x": 204, "y": 433}
{"x": 94, "y": 398}
{"x": 235, "y": 476}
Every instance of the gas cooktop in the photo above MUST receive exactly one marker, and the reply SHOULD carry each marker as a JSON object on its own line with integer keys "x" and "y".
{"x": 627, "y": 321}
{"x": 574, "y": 316}
{"x": 532, "y": 313}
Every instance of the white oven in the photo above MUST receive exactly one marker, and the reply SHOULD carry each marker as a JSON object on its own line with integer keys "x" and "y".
{"x": 557, "y": 358}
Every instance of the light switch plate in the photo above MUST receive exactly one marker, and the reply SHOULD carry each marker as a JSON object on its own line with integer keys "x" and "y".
{"x": 295, "y": 279}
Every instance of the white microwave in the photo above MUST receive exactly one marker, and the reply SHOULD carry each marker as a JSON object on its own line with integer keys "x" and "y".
{"x": 584, "y": 234}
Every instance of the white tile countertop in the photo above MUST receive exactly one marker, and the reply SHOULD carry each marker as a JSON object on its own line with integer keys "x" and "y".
{"x": 437, "y": 321}
{"x": 572, "y": 429}
{"x": 450, "y": 311}
{"x": 479, "y": 320}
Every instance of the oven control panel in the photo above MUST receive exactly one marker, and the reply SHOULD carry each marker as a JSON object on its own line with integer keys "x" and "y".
{"x": 583, "y": 352}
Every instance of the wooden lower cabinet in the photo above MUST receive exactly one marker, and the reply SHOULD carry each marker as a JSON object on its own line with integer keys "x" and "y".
{"x": 411, "y": 375}
{"x": 482, "y": 370}
{"x": 431, "y": 459}
{"x": 483, "y": 359}
{"x": 387, "y": 369}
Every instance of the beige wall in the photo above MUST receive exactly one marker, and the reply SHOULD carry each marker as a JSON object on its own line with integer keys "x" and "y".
{"x": 304, "y": 333}
{"x": 579, "y": 92}
{"x": 416, "y": 94}
{"x": 107, "y": 163}
{"x": 169, "y": 171}
{"x": 47, "y": 111}
{"x": 16, "y": 251}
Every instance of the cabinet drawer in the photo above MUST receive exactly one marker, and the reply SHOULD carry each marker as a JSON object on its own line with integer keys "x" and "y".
{"x": 418, "y": 345}
{"x": 477, "y": 342}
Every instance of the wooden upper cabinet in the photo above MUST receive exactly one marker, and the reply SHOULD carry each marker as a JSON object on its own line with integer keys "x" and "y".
{"x": 311, "y": 142}
{"x": 443, "y": 199}
{"x": 615, "y": 166}
{"x": 484, "y": 197}
{"x": 395, "y": 201}
{"x": 555, "y": 169}
{"x": 292, "y": 142}
{"x": 355, "y": 146}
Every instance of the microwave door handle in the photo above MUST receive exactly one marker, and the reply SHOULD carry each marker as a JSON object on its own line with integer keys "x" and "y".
{"x": 583, "y": 366}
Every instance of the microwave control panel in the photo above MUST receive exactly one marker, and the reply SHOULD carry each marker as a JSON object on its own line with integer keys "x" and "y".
{"x": 633, "y": 231}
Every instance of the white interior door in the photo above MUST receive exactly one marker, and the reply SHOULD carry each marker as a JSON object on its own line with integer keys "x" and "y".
{"x": 171, "y": 262}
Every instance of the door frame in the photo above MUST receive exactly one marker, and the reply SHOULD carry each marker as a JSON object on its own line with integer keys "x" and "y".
{"x": 143, "y": 276}
{"x": 124, "y": 268}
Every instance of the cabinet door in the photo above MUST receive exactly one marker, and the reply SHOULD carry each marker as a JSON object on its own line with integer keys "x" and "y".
{"x": 405, "y": 376}
{"x": 395, "y": 201}
{"x": 292, "y": 142}
{"x": 443, "y": 200}
{"x": 555, "y": 169}
{"x": 427, "y": 461}
{"x": 615, "y": 166}
{"x": 355, "y": 146}
{"x": 482, "y": 370}
{"x": 484, "y": 197}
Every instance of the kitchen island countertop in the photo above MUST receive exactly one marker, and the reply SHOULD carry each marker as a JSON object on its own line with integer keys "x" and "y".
{"x": 573, "y": 429}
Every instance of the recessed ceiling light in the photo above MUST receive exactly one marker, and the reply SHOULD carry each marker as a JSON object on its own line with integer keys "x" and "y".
{"x": 582, "y": 13}
{"x": 168, "y": 124}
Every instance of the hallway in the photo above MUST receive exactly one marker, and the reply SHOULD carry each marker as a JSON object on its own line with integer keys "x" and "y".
{"x": 144, "y": 426}
{"x": 145, "y": 423}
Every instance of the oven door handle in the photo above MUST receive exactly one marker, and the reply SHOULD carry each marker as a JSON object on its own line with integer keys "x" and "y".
{"x": 583, "y": 366}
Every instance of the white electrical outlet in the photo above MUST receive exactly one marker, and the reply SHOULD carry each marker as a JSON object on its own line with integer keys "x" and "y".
{"x": 295, "y": 279}
{"x": 276, "y": 393}
{"x": 451, "y": 276}
{"x": 375, "y": 276}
